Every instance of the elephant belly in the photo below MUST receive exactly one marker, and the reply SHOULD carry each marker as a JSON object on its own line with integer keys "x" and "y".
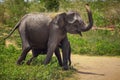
{"x": 39, "y": 51}
{"x": 38, "y": 37}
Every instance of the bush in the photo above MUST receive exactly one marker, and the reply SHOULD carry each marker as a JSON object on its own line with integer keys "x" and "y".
{"x": 52, "y": 5}
{"x": 103, "y": 17}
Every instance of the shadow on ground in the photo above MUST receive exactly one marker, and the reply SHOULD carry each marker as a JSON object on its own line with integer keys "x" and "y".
{"x": 87, "y": 73}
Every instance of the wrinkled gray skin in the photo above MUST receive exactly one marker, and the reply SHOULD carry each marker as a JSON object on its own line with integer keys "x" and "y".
{"x": 38, "y": 31}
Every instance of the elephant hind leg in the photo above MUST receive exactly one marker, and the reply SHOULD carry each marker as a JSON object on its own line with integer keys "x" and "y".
{"x": 30, "y": 60}
{"x": 23, "y": 55}
{"x": 25, "y": 44}
{"x": 35, "y": 54}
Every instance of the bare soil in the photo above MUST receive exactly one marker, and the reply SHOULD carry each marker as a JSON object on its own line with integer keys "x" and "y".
{"x": 95, "y": 68}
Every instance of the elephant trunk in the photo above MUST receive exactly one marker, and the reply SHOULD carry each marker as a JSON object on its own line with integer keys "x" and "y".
{"x": 89, "y": 26}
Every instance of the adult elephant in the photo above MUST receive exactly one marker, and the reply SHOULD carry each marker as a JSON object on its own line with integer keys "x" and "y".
{"x": 39, "y": 31}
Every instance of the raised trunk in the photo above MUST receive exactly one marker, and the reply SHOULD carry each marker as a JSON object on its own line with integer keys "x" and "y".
{"x": 89, "y": 26}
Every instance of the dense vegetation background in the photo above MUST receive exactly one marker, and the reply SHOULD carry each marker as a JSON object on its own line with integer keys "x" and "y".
{"x": 106, "y": 14}
{"x": 103, "y": 39}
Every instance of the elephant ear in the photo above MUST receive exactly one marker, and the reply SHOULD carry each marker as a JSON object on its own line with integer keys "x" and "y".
{"x": 60, "y": 20}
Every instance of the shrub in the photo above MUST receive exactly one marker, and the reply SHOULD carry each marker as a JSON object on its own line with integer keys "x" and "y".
{"x": 52, "y": 5}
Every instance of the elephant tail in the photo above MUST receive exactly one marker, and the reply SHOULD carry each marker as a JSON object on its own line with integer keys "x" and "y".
{"x": 16, "y": 26}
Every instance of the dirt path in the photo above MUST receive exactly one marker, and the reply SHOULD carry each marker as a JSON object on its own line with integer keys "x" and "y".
{"x": 96, "y": 68}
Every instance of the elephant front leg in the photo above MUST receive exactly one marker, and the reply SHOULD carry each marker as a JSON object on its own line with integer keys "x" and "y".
{"x": 51, "y": 49}
{"x": 69, "y": 54}
{"x": 57, "y": 53}
{"x": 65, "y": 53}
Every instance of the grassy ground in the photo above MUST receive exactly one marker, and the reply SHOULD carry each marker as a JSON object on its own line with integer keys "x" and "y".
{"x": 36, "y": 71}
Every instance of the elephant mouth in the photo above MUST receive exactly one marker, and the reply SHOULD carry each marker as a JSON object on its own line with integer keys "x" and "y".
{"x": 73, "y": 31}
{"x": 79, "y": 32}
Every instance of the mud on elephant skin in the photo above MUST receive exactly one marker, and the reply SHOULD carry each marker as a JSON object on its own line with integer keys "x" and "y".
{"x": 40, "y": 31}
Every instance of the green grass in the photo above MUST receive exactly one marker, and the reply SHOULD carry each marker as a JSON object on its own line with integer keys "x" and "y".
{"x": 36, "y": 71}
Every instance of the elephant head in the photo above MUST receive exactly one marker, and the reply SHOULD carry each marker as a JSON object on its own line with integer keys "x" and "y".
{"x": 72, "y": 22}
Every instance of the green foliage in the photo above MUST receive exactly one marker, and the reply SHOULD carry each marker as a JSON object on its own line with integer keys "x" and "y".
{"x": 10, "y": 71}
{"x": 99, "y": 42}
{"x": 106, "y": 12}
{"x": 13, "y": 10}
{"x": 32, "y": 8}
{"x": 79, "y": 6}
{"x": 51, "y": 5}
{"x": 99, "y": 19}
{"x": 2, "y": 10}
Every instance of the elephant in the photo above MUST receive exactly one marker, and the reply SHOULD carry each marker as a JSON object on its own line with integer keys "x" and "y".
{"x": 39, "y": 31}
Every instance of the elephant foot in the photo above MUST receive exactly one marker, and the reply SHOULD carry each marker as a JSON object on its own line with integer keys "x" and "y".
{"x": 65, "y": 67}
{"x": 20, "y": 62}
{"x": 28, "y": 62}
{"x": 46, "y": 62}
